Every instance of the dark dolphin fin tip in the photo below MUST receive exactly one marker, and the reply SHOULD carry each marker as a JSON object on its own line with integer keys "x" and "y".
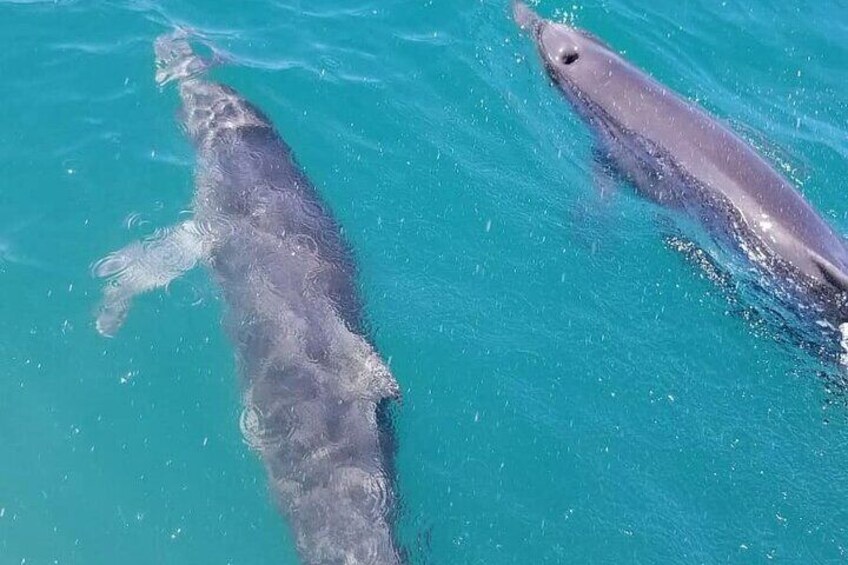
{"x": 832, "y": 274}
{"x": 527, "y": 19}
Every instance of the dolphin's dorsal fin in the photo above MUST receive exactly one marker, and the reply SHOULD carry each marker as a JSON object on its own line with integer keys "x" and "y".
{"x": 372, "y": 377}
{"x": 382, "y": 381}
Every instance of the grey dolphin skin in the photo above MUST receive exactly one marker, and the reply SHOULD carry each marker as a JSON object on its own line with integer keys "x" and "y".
{"x": 679, "y": 156}
{"x": 316, "y": 391}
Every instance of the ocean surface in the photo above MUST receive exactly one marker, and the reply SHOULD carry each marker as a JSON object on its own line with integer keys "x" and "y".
{"x": 574, "y": 389}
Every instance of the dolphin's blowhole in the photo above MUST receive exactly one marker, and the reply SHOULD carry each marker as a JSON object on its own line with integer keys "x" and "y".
{"x": 569, "y": 57}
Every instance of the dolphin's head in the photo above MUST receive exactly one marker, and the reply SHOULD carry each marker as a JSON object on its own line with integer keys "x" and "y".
{"x": 575, "y": 59}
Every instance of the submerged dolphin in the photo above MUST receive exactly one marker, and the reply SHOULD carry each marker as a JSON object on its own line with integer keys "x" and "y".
{"x": 679, "y": 156}
{"x": 316, "y": 390}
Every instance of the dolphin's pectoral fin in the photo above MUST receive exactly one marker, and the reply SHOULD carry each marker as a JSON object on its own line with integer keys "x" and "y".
{"x": 143, "y": 266}
{"x": 604, "y": 175}
{"x": 593, "y": 212}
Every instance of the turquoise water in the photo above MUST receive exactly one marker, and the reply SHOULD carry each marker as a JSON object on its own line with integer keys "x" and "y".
{"x": 574, "y": 390}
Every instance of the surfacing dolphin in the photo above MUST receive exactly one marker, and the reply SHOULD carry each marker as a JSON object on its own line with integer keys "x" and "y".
{"x": 316, "y": 391}
{"x": 680, "y": 157}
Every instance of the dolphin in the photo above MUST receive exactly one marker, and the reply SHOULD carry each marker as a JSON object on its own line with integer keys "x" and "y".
{"x": 681, "y": 157}
{"x": 316, "y": 392}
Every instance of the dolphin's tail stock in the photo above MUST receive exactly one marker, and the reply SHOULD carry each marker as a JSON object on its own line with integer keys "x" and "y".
{"x": 176, "y": 60}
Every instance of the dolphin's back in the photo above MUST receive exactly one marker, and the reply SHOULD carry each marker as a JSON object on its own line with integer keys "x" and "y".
{"x": 313, "y": 383}
{"x": 313, "y": 389}
{"x": 247, "y": 176}
{"x": 631, "y": 104}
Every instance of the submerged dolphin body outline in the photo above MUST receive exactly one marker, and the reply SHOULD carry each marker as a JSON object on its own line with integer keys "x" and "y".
{"x": 316, "y": 391}
{"x": 682, "y": 158}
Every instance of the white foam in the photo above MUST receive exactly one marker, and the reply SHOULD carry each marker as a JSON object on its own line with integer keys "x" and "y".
{"x": 843, "y": 343}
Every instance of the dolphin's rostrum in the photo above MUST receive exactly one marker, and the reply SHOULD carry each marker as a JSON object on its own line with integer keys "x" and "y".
{"x": 316, "y": 391}
{"x": 680, "y": 157}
